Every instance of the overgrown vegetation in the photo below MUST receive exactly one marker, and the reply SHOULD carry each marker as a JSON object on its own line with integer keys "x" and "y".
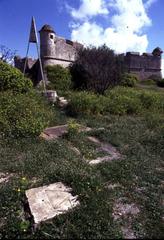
{"x": 59, "y": 78}
{"x": 12, "y": 79}
{"x": 96, "y": 69}
{"x": 128, "y": 80}
{"x": 119, "y": 101}
{"x": 23, "y": 114}
{"x": 138, "y": 176}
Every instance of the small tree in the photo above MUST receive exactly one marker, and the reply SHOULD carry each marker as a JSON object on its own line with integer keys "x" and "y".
{"x": 6, "y": 54}
{"x": 96, "y": 69}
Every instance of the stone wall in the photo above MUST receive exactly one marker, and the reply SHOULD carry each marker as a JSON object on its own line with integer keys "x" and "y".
{"x": 19, "y": 63}
{"x": 143, "y": 65}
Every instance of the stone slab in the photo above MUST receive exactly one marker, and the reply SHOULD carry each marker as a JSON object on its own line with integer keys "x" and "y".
{"x": 49, "y": 201}
{"x": 103, "y": 159}
{"x": 112, "y": 152}
{"x": 94, "y": 140}
{"x": 56, "y": 132}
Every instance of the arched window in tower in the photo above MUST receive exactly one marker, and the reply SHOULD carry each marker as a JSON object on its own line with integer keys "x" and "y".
{"x": 52, "y": 36}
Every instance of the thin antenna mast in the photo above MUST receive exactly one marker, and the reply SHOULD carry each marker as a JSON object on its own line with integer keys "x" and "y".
{"x": 33, "y": 38}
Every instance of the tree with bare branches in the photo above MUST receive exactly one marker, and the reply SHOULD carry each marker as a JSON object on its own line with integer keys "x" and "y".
{"x": 6, "y": 54}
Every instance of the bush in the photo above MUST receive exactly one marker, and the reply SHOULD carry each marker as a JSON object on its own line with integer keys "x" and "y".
{"x": 73, "y": 128}
{"x": 121, "y": 105}
{"x": 118, "y": 101}
{"x": 128, "y": 80}
{"x": 96, "y": 69}
{"x": 122, "y": 100}
{"x": 150, "y": 100}
{"x": 59, "y": 78}
{"x": 12, "y": 79}
{"x": 148, "y": 82}
{"x": 23, "y": 114}
{"x": 160, "y": 83}
{"x": 85, "y": 102}
{"x": 145, "y": 100}
{"x": 115, "y": 103}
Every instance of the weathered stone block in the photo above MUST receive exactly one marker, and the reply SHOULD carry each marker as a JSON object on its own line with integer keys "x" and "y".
{"x": 49, "y": 201}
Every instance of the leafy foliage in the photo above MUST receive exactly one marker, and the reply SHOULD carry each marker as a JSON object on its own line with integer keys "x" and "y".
{"x": 12, "y": 79}
{"x": 119, "y": 101}
{"x": 73, "y": 128}
{"x": 96, "y": 69}
{"x": 148, "y": 82}
{"x": 86, "y": 102}
{"x": 23, "y": 114}
{"x": 59, "y": 78}
{"x": 128, "y": 80}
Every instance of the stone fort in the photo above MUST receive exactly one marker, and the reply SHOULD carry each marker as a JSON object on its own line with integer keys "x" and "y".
{"x": 57, "y": 50}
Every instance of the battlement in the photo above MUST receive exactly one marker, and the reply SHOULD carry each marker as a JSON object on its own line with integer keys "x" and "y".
{"x": 144, "y": 65}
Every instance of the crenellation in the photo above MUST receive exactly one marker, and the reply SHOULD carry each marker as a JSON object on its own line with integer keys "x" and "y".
{"x": 144, "y": 65}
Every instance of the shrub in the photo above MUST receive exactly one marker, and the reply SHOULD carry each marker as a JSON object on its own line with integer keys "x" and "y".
{"x": 85, "y": 102}
{"x": 115, "y": 103}
{"x": 119, "y": 101}
{"x": 148, "y": 82}
{"x": 12, "y": 79}
{"x": 160, "y": 83}
{"x": 128, "y": 80}
{"x": 73, "y": 128}
{"x": 59, "y": 78}
{"x": 96, "y": 69}
{"x": 23, "y": 114}
{"x": 121, "y": 105}
{"x": 149, "y": 99}
{"x": 122, "y": 100}
{"x": 146, "y": 99}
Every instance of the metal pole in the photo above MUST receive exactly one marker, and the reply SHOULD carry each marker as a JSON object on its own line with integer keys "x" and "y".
{"x": 34, "y": 39}
{"x": 41, "y": 68}
{"x": 24, "y": 70}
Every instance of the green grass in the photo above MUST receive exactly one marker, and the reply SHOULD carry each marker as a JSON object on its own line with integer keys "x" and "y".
{"x": 140, "y": 140}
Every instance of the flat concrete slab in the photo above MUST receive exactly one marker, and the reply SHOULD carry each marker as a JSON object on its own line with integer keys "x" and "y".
{"x": 49, "y": 201}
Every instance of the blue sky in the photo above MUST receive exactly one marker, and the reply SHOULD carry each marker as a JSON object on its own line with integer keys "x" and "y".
{"x": 124, "y": 25}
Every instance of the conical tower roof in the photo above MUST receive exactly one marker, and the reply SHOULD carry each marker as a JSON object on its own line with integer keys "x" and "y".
{"x": 47, "y": 28}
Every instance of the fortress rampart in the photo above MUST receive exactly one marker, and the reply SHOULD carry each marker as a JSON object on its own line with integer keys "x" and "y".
{"x": 57, "y": 50}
